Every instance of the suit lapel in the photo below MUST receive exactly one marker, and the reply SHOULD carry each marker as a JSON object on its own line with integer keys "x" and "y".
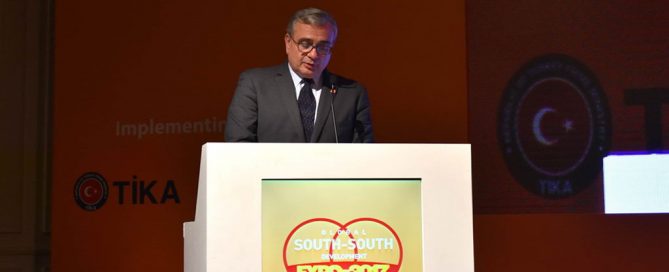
{"x": 323, "y": 106}
{"x": 323, "y": 113}
{"x": 286, "y": 89}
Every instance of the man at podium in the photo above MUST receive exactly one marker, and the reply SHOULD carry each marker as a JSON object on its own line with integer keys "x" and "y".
{"x": 300, "y": 101}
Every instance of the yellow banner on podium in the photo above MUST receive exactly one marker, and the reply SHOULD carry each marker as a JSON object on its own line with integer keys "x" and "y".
{"x": 353, "y": 225}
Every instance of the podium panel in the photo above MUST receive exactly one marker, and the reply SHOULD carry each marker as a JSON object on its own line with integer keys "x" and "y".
{"x": 332, "y": 207}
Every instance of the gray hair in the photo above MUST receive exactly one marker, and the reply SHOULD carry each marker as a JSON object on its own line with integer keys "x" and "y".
{"x": 311, "y": 16}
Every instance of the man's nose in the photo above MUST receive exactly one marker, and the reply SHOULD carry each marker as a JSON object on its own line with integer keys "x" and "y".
{"x": 313, "y": 54}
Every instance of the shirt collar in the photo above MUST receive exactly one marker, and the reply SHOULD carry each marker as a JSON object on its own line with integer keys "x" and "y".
{"x": 297, "y": 79}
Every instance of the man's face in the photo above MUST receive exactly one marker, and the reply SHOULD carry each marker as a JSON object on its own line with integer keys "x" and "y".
{"x": 309, "y": 64}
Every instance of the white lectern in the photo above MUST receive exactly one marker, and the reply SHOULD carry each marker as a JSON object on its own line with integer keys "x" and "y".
{"x": 226, "y": 233}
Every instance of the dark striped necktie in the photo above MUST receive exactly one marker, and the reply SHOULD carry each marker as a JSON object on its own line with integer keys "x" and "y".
{"x": 307, "y": 104}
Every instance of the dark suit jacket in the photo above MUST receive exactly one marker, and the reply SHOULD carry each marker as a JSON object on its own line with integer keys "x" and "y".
{"x": 264, "y": 109}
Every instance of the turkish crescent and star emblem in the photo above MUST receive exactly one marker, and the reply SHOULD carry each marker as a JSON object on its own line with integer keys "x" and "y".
{"x": 91, "y": 191}
{"x": 553, "y": 121}
{"x": 554, "y": 126}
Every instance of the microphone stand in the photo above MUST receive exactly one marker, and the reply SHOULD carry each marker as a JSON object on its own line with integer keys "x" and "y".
{"x": 333, "y": 93}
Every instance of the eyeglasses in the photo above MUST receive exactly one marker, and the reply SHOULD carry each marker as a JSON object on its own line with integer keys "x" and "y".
{"x": 305, "y": 46}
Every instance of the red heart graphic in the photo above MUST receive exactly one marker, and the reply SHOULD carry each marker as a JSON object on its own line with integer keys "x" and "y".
{"x": 347, "y": 266}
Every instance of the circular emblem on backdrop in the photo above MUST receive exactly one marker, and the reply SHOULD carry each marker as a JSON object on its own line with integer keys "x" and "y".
{"x": 554, "y": 126}
{"x": 91, "y": 191}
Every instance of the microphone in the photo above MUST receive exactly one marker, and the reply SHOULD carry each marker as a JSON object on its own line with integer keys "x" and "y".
{"x": 333, "y": 93}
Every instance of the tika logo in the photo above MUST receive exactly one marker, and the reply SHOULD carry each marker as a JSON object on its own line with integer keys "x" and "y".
{"x": 554, "y": 126}
{"x": 91, "y": 191}
{"x": 325, "y": 245}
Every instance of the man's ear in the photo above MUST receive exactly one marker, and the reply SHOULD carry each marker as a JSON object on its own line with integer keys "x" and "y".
{"x": 286, "y": 41}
